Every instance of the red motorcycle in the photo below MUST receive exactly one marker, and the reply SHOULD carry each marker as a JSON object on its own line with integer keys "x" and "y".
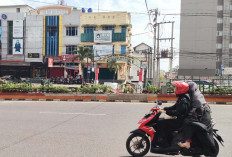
{"x": 145, "y": 138}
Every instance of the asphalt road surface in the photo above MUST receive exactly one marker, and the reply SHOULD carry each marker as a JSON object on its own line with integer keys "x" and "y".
{"x": 79, "y": 129}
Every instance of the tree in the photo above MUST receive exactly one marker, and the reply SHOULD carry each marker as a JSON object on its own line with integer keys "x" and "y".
{"x": 82, "y": 53}
{"x": 114, "y": 66}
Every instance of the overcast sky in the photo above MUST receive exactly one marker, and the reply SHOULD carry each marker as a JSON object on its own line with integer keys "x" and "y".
{"x": 140, "y": 19}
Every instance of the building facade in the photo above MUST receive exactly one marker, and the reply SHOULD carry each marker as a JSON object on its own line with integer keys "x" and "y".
{"x": 39, "y": 35}
{"x": 143, "y": 52}
{"x": 107, "y": 33}
{"x": 199, "y": 51}
{"x": 12, "y": 36}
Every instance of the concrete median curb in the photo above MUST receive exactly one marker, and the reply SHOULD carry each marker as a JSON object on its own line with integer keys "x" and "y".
{"x": 122, "y": 97}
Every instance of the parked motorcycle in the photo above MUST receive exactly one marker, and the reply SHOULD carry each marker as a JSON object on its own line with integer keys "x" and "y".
{"x": 145, "y": 138}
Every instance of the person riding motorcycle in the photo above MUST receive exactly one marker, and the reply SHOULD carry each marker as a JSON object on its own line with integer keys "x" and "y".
{"x": 180, "y": 110}
{"x": 198, "y": 121}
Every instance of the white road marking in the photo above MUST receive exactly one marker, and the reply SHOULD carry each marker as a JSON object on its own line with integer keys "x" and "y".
{"x": 63, "y": 113}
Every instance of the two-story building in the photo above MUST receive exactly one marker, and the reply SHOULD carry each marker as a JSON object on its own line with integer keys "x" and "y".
{"x": 107, "y": 33}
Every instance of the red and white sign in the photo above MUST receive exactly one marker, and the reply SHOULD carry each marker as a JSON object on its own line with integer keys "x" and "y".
{"x": 50, "y": 62}
{"x": 68, "y": 58}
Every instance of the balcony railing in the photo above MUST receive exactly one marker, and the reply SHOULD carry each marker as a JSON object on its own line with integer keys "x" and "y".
{"x": 89, "y": 37}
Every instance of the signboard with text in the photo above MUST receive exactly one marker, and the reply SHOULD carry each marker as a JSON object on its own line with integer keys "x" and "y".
{"x": 68, "y": 58}
{"x": 103, "y": 36}
{"x": 227, "y": 71}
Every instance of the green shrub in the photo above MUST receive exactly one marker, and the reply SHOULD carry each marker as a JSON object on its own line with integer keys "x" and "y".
{"x": 153, "y": 89}
{"x": 95, "y": 89}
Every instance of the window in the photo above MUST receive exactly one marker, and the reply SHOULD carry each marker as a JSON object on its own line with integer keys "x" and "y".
{"x": 17, "y": 10}
{"x": 123, "y": 49}
{"x": 89, "y": 29}
{"x": 219, "y": 33}
{"x": 123, "y": 29}
{"x": 230, "y": 45}
{"x": 71, "y": 31}
{"x": 91, "y": 48}
{"x": 218, "y": 46}
{"x": 219, "y": 20}
{"x": 219, "y": 7}
{"x": 10, "y": 37}
{"x": 70, "y": 49}
{"x": 218, "y": 59}
{"x": 230, "y": 58}
{"x": 230, "y": 20}
{"x": 108, "y": 28}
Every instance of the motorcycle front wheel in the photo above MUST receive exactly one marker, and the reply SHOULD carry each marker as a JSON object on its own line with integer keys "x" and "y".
{"x": 137, "y": 145}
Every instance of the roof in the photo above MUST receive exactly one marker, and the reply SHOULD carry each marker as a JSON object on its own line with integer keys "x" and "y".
{"x": 142, "y": 44}
{"x": 23, "y": 5}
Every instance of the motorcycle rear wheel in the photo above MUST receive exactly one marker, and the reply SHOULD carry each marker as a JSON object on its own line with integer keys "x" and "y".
{"x": 137, "y": 145}
{"x": 216, "y": 148}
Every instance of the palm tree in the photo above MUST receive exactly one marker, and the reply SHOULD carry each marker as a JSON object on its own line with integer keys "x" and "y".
{"x": 114, "y": 66}
{"x": 82, "y": 53}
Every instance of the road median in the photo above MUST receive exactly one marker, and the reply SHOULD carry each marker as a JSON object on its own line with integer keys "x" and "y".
{"x": 121, "y": 97}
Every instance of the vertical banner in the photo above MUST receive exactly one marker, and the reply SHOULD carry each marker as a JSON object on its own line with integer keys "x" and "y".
{"x": 122, "y": 73}
{"x": 50, "y": 62}
{"x": 18, "y": 37}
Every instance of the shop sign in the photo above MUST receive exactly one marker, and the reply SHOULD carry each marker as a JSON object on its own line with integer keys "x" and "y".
{"x": 103, "y": 36}
{"x": 50, "y": 62}
{"x": 68, "y": 58}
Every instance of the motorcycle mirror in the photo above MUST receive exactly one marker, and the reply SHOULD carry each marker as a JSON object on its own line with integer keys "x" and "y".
{"x": 160, "y": 103}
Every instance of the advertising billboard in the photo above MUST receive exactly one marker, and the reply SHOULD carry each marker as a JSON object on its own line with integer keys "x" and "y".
{"x": 18, "y": 28}
{"x": 17, "y": 37}
{"x": 50, "y": 62}
{"x": 17, "y": 46}
{"x": 101, "y": 51}
{"x": 103, "y": 36}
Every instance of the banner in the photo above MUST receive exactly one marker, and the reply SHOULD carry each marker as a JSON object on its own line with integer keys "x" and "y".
{"x": 17, "y": 46}
{"x": 50, "y": 62}
{"x": 122, "y": 73}
{"x": 18, "y": 29}
{"x": 68, "y": 58}
{"x": 101, "y": 51}
{"x": 103, "y": 36}
{"x": 18, "y": 37}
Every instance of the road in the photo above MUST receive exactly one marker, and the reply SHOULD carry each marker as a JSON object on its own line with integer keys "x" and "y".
{"x": 81, "y": 129}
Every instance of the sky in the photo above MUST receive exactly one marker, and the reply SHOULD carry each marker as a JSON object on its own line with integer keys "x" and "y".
{"x": 141, "y": 30}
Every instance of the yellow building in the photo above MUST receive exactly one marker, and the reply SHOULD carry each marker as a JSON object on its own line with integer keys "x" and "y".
{"x": 118, "y": 41}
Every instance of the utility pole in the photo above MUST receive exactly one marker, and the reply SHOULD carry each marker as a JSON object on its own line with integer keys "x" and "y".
{"x": 154, "y": 57}
{"x": 158, "y": 58}
{"x": 158, "y": 52}
{"x": 171, "y": 57}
